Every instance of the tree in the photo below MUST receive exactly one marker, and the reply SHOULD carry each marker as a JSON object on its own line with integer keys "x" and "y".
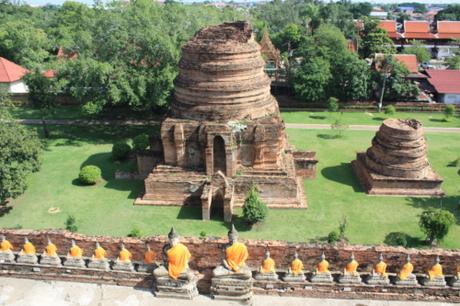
{"x": 419, "y": 50}
{"x": 254, "y": 210}
{"x": 451, "y": 12}
{"x": 289, "y": 38}
{"x": 332, "y": 104}
{"x": 360, "y": 10}
{"x": 449, "y": 112}
{"x": 71, "y": 224}
{"x": 435, "y": 223}
{"x": 375, "y": 40}
{"x": 312, "y": 78}
{"x": 454, "y": 61}
{"x": 20, "y": 151}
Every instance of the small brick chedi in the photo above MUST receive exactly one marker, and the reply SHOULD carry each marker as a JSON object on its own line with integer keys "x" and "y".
{"x": 224, "y": 131}
{"x": 397, "y": 163}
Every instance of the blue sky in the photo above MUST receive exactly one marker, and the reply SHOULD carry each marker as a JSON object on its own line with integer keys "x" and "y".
{"x": 42, "y": 2}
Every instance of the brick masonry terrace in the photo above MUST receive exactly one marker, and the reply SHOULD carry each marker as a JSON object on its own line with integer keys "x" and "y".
{"x": 206, "y": 254}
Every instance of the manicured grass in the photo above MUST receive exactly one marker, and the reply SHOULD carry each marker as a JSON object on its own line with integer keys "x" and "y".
{"x": 367, "y": 118}
{"x": 107, "y": 208}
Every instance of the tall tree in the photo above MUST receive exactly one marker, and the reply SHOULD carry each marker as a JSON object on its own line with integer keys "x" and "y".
{"x": 374, "y": 40}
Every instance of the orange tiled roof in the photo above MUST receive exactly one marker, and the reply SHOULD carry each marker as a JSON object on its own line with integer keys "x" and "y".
{"x": 408, "y": 60}
{"x": 448, "y": 27}
{"x": 390, "y": 27}
{"x": 10, "y": 72}
{"x": 417, "y": 27}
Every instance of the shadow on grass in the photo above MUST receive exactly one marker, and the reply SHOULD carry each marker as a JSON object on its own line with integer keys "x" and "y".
{"x": 329, "y": 136}
{"x": 5, "y": 209}
{"x": 342, "y": 174}
{"x": 379, "y": 118}
{"x": 189, "y": 212}
{"x": 317, "y": 117}
{"x": 241, "y": 225}
{"x": 437, "y": 120}
{"x": 394, "y": 238}
{"x": 450, "y": 203}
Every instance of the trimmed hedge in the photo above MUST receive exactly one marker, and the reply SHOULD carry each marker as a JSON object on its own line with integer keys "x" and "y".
{"x": 89, "y": 175}
{"x": 141, "y": 142}
{"x": 120, "y": 151}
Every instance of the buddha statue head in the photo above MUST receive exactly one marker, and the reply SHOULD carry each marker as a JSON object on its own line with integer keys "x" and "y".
{"x": 232, "y": 234}
{"x": 3, "y": 238}
{"x": 296, "y": 255}
{"x": 267, "y": 253}
{"x": 173, "y": 237}
{"x": 98, "y": 246}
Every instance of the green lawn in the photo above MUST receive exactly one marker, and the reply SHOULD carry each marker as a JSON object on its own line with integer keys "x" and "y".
{"x": 107, "y": 209}
{"x": 367, "y": 118}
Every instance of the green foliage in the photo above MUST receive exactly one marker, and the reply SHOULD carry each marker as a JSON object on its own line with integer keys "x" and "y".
{"x": 396, "y": 239}
{"x": 375, "y": 40}
{"x": 141, "y": 142}
{"x": 454, "y": 61}
{"x": 449, "y": 111}
{"x": 312, "y": 78}
{"x": 332, "y": 104}
{"x": 41, "y": 90}
{"x": 120, "y": 151}
{"x": 343, "y": 227}
{"x": 71, "y": 224}
{"x": 289, "y": 38}
{"x": 135, "y": 232}
{"x": 333, "y": 237}
{"x": 91, "y": 108}
{"x": 451, "y": 12}
{"x": 89, "y": 175}
{"x": 339, "y": 128}
{"x": 417, "y": 48}
{"x": 435, "y": 223}
{"x": 202, "y": 234}
{"x": 20, "y": 151}
{"x": 390, "y": 110}
{"x": 254, "y": 210}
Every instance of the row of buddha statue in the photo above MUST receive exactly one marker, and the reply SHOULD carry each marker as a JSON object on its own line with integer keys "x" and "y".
{"x": 74, "y": 257}
{"x": 232, "y": 279}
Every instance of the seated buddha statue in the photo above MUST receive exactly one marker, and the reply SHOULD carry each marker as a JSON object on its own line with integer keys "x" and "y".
{"x": 27, "y": 253}
{"x": 234, "y": 258}
{"x": 50, "y": 256}
{"x": 75, "y": 256}
{"x": 379, "y": 274}
{"x": 148, "y": 263}
{"x": 123, "y": 261}
{"x": 436, "y": 275}
{"x": 6, "y": 250}
{"x": 322, "y": 273}
{"x": 267, "y": 270}
{"x": 175, "y": 268}
{"x": 233, "y": 278}
{"x": 295, "y": 271}
{"x": 350, "y": 273}
{"x": 405, "y": 276}
{"x": 99, "y": 260}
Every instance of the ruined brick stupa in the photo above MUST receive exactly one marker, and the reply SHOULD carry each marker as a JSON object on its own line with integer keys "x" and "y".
{"x": 224, "y": 132}
{"x": 397, "y": 163}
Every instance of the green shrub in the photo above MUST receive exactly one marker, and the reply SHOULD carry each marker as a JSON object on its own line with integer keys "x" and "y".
{"x": 435, "y": 223}
{"x": 396, "y": 239}
{"x": 71, "y": 224}
{"x": 202, "y": 234}
{"x": 141, "y": 142}
{"x": 333, "y": 237}
{"x": 120, "y": 151}
{"x": 333, "y": 104}
{"x": 91, "y": 108}
{"x": 339, "y": 128}
{"x": 254, "y": 210}
{"x": 135, "y": 233}
{"x": 343, "y": 228}
{"x": 89, "y": 175}
{"x": 449, "y": 112}
{"x": 390, "y": 110}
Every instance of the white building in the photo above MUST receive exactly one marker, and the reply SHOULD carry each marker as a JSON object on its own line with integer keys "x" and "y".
{"x": 11, "y": 76}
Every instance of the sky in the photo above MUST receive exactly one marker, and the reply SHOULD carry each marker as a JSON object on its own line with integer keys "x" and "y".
{"x": 42, "y": 2}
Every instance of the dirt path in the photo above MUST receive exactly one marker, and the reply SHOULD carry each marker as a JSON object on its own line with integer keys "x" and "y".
{"x": 84, "y": 122}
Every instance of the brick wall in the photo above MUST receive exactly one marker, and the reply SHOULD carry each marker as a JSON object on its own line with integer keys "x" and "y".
{"x": 206, "y": 253}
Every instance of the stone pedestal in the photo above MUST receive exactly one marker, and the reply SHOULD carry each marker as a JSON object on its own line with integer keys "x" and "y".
{"x": 126, "y": 266}
{"x": 271, "y": 276}
{"x": 100, "y": 264}
{"x": 146, "y": 268}
{"x": 7, "y": 257}
{"x": 378, "y": 279}
{"x": 435, "y": 282}
{"x": 456, "y": 283}
{"x": 50, "y": 260}
{"x": 27, "y": 259}
{"x": 350, "y": 278}
{"x": 289, "y": 277}
{"x": 233, "y": 289}
{"x": 322, "y": 278}
{"x": 182, "y": 288}
{"x": 411, "y": 280}
{"x": 74, "y": 262}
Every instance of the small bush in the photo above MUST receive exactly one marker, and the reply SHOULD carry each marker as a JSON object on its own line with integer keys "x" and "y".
{"x": 141, "y": 142}
{"x": 135, "y": 233}
{"x": 343, "y": 228}
{"x": 91, "y": 108}
{"x": 396, "y": 239}
{"x": 333, "y": 237}
{"x": 449, "y": 112}
{"x": 339, "y": 128}
{"x": 120, "y": 151}
{"x": 254, "y": 210}
{"x": 435, "y": 223}
{"x": 71, "y": 224}
{"x": 202, "y": 234}
{"x": 454, "y": 163}
{"x": 89, "y": 175}
{"x": 390, "y": 110}
{"x": 333, "y": 104}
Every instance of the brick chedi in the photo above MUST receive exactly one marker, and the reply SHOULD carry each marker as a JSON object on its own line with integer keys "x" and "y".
{"x": 397, "y": 163}
{"x": 224, "y": 131}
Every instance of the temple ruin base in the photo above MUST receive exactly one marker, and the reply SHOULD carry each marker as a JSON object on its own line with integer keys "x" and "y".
{"x": 325, "y": 278}
{"x": 50, "y": 260}
{"x": 165, "y": 287}
{"x": 376, "y": 184}
{"x": 232, "y": 289}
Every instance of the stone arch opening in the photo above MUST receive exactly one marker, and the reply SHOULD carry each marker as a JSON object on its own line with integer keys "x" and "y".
{"x": 217, "y": 205}
{"x": 219, "y": 158}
